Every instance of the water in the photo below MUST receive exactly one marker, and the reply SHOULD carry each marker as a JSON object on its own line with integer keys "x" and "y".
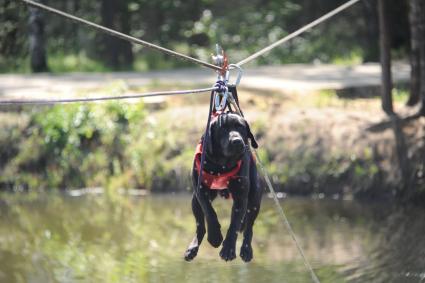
{"x": 96, "y": 238}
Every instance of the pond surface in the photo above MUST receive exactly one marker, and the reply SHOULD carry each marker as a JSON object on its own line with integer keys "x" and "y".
{"x": 99, "y": 238}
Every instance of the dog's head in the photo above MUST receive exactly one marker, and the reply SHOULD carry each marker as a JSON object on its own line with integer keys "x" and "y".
{"x": 228, "y": 137}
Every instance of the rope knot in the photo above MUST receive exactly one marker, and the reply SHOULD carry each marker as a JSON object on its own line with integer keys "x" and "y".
{"x": 220, "y": 86}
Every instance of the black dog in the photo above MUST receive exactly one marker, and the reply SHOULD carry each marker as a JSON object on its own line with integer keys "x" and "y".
{"x": 229, "y": 169}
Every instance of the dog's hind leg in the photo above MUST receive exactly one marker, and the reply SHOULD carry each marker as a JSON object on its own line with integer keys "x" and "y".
{"x": 251, "y": 214}
{"x": 254, "y": 202}
{"x": 193, "y": 248}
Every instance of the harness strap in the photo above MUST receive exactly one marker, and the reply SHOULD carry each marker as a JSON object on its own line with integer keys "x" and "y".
{"x": 213, "y": 181}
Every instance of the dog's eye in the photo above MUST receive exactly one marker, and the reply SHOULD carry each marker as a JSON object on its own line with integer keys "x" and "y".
{"x": 240, "y": 128}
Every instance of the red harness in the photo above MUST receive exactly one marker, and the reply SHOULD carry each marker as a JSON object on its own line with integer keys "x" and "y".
{"x": 220, "y": 181}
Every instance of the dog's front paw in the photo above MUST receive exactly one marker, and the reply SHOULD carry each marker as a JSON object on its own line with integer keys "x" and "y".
{"x": 193, "y": 248}
{"x": 214, "y": 235}
{"x": 227, "y": 252}
{"x": 246, "y": 252}
{"x": 191, "y": 253}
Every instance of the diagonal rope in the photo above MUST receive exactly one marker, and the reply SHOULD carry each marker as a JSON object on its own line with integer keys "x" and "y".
{"x": 298, "y": 32}
{"x": 103, "y": 98}
{"x": 286, "y": 221}
{"x": 279, "y": 207}
{"x": 122, "y": 35}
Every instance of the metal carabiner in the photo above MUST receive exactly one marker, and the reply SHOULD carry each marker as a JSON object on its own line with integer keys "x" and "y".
{"x": 218, "y": 58}
{"x": 221, "y": 100}
{"x": 240, "y": 73}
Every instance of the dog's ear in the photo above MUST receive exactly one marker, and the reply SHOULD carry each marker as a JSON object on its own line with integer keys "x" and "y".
{"x": 254, "y": 143}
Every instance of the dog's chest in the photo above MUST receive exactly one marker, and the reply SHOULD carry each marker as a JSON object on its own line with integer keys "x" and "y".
{"x": 216, "y": 177}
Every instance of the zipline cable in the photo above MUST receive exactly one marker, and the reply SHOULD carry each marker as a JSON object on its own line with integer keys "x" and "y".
{"x": 298, "y": 32}
{"x": 185, "y": 57}
{"x": 103, "y": 98}
{"x": 163, "y": 50}
{"x": 122, "y": 35}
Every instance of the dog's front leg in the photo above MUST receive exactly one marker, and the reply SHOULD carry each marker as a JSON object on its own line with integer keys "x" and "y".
{"x": 193, "y": 248}
{"x": 213, "y": 226}
{"x": 238, "y": 212}
{"x": 239, "y": 187}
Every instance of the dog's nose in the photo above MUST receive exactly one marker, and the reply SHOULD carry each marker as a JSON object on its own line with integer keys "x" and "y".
{"x": 237, "y": 143}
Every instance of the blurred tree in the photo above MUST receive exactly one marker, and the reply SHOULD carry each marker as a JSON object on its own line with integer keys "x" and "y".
{"x": 13, "y": 35}
{"x": 194, "y": 26}
{"x": 422, "y": 54}
{"x": 116, "y": 52}
{"x": 37, "y": 41}
{"x": 385, "y": 57}
{"x": 417, "y": 56}
{"x": 414, "y": 17}
{"x": 369, "y": 41}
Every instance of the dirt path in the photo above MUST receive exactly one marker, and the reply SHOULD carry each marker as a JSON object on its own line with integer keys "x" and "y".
{"x": 281, "y": 79}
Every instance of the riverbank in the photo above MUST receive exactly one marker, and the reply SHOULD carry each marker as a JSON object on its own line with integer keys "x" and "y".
{"x": 315, "y": 142}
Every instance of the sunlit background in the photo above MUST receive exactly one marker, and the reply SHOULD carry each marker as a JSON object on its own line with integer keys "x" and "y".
{"x": 101, "y": 192}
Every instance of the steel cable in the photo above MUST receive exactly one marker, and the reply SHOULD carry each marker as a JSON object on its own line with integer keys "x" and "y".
{"x": 297, "y": 32}
{"x": 122, "y": 35}
{"x": 103, "y": 98}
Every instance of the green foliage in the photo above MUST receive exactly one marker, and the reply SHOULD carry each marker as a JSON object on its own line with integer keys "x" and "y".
{"x": 325, "y": 98}
{"x": 121, "y": 145}
{"x": 400, "y": 94}
{"x": 112, "y": 144}
{"x": 125, "y": 145}
{"x": 75, "y": 145}
{"x": 61, "y": 63}
{"x": 193, "y": 27}
{"x": 352, "y": 57}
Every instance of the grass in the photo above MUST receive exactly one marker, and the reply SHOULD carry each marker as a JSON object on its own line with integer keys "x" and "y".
{"x": 354, "y": 57}
{"x": 64, "y": 63}
{"x": 15, "y": 65}
{"x": 400, "y": 94}
{"x": 60, "y": 62}
{"x": 80, "y": 62}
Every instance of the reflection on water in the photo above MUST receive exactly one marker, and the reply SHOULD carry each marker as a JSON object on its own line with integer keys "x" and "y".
{"x": 56, "y": 238}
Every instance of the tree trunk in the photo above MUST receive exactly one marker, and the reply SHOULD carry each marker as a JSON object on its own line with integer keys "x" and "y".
{"x": 126, "y": 47}
{"x": 414, "y": 18}
{"x": 117, "y": 53}
{"x": 421, "y": 5}
{"x": 385, "y": 56}
{"x": 36, "y": 41}
{"x": 75, "y": 40}
{"x": 371, "y": 50}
